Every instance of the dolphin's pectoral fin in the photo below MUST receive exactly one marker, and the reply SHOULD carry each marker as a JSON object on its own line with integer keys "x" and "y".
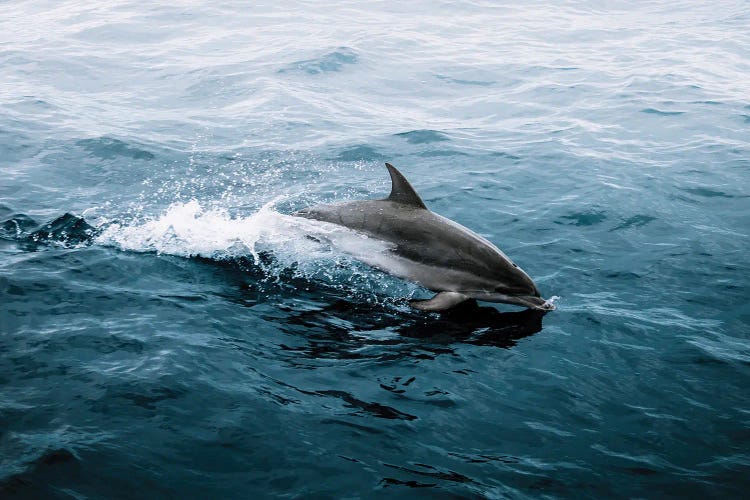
{"x": 440, "y": 302}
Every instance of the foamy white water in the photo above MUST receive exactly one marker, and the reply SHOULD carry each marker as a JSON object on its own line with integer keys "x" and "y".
{"x": 189, "y": 230}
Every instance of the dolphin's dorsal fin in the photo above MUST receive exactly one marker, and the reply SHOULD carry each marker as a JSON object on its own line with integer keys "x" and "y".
{"x": 401, "y": 190}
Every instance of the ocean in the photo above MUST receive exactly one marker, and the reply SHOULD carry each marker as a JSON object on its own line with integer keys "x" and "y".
{"x": 169, "y": 330}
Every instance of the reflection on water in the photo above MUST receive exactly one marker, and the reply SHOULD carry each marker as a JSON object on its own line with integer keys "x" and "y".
{"x": 343, "y": 327}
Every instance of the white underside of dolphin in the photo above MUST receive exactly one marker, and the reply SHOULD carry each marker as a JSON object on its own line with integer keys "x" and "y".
{"x": 433, "y": 251}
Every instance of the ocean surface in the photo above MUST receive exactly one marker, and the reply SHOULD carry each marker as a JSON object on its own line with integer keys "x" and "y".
{"x": 168, "y": 330}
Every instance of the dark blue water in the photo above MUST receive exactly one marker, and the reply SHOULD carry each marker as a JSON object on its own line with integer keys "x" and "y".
{"x": 167, "y": 330}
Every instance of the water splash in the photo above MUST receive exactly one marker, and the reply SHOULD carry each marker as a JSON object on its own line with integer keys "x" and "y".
{"x": 189, "y": 230}
{"x": 550, "y": 303}
{"x": 277, "y": 243}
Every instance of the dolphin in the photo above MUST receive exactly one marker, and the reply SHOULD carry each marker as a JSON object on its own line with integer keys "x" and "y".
{"x": 435, "y": 252}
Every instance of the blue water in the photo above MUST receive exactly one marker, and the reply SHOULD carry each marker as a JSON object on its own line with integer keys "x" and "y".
{"x": 167, "y": 330}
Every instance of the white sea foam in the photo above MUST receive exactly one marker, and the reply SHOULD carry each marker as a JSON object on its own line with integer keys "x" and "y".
{"x": 550, "y": 303}
{"x": 189, "y": 230}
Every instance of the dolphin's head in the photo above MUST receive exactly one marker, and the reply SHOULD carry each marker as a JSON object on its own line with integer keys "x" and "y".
{"x": 520, "y": 290}
{"x": 530, "y": 300}
{"x": 510, "y": 284}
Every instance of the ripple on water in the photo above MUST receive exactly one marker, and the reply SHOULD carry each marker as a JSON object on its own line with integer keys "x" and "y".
{"x": 583, "y": 219}
{"x": 108, "y": 148}
{"x": 654, "y": 111}
{"x": 423, "y": 136}
{"x": 361, "y": 153}
{"x": 707, "y": 192}
{"x": 332, "y": 62}
{"x": 635, "y": 221}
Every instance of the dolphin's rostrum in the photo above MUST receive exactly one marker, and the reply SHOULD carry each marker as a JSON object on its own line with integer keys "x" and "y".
{"x": 431, "y": 250}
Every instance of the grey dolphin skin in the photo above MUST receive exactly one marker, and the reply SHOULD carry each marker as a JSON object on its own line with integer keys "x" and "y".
{"x": 435, "y": 252}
